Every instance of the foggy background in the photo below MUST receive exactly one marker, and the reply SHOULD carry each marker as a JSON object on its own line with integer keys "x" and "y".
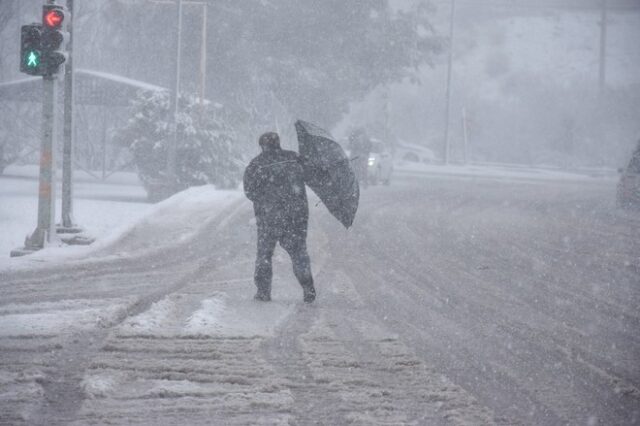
{"x": 525, "y": 74}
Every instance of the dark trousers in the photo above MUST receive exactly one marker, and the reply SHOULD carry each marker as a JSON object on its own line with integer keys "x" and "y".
{"x": 294, "y": 241}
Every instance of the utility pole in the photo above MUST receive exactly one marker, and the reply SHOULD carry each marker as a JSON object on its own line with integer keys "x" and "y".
{"x": 603, "y": 47}
{"x": 467, "y": 154}
{"x": 448, "y": 93}
{"x": 386, "y": 115}
{"x": 67, "y": 131}
{"x": 173, "y": 108}
{"x": 171, "y": 178}
{"x": 203, "y": 56}
{"x": 203, "y": 47}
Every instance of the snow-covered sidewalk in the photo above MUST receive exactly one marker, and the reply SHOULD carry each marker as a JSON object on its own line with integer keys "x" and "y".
{"x": 115, "y": 213}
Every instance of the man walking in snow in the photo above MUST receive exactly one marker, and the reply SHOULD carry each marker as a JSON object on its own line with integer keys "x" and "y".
{"x": 274, "y": 182}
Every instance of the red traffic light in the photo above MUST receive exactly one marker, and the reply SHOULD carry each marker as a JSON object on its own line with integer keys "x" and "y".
{"x": 53, "y": 18}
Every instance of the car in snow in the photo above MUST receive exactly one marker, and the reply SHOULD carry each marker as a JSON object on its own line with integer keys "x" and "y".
{"x": 379, "y": 163}
{"x": 413, "y": 153}
{"x": 628, "y": 191}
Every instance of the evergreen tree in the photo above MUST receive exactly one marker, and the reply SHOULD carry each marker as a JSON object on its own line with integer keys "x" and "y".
{"x": 206, "y": 150}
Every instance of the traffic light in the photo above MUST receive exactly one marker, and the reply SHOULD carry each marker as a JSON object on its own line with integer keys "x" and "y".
{"x": 31, "y": 49}
{"x": 54, "y": 19}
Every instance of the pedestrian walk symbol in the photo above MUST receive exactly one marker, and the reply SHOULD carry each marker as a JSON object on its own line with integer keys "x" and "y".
{"x": 32, "y": 59}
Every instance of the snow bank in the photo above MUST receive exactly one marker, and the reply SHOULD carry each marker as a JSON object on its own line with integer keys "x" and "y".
{"x": 116, "y": 214}
{"x": 498, "y": 171}
{"x": 176, "y": 219}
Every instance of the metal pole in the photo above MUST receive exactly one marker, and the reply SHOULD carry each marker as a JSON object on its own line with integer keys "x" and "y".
{"x": 173, "y": 142}
{"x": 203, "y": 55}
{"x": 603, "y": 47}
{"x": 104, "y": 147}
{"x": 386, "y": 115}
{"x": 67, "y": 130}
{"x": 18, "y": 14}
{"x": 45, "y": 230}
{"x": 448, "y": 94}
{"x": 464, "y": 132}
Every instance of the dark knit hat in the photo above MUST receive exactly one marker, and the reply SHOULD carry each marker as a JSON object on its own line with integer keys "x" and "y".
{"x": 269, "y": 140}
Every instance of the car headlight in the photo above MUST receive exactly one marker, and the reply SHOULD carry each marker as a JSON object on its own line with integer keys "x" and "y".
{"x": 372, "y": 161}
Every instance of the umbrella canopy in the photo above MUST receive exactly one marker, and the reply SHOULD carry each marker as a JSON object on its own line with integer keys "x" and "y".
{"x": 328, "y": 172}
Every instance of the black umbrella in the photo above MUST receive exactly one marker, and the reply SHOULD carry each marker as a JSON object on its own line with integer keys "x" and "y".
{"x": 328, "y": 171}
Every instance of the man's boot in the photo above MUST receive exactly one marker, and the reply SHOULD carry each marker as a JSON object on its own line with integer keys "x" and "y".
{"x": 263, "y": 295}
{"x": 309, "y": 293}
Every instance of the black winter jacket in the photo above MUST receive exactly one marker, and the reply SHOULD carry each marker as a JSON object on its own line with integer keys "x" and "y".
{"x": 274, "y": 181}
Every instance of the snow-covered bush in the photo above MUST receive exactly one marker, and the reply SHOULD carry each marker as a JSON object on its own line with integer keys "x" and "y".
{"x": 206, "y": 149}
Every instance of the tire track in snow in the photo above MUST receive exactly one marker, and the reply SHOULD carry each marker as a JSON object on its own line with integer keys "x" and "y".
{"x": 348, "y": 376}
{"x": 460, "y": 310}
{"x": 313, "y": 401}
{"x": 455, "y": 323}
{"x": 110, "y": 260}
{"x": 63, "y": 393}
{"x": 538, "y": 330}
{"x": 416, "y": 392}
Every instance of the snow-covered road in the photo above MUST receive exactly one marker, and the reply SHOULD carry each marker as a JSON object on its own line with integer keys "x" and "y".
{"x": 449, "y": 302}
{"x": 526, "y": 295}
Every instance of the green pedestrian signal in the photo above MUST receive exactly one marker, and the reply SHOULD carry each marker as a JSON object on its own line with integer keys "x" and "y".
{"x": 31, "y": 50}
{"x": 33, "y": 59}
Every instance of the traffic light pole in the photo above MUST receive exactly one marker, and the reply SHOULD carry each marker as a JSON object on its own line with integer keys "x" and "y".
{"x": 67, "y": 131}
{"x": 41, "y": 54}
{"x": 172, "y": 147}
{"x": 46, "y": 231}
